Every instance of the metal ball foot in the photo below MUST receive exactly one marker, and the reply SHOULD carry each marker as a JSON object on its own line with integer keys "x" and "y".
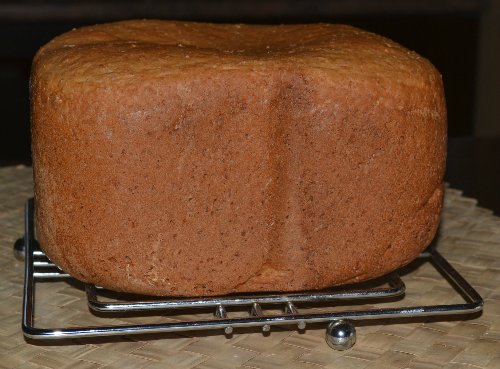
{"x": 19, "y": 248}
{"x": 340, "y": 335}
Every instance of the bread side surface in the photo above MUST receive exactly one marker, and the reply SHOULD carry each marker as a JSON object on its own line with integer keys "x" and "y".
{"x": 195, "y": 159}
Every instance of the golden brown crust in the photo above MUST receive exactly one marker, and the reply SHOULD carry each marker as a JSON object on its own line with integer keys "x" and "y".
{"x": 196, "y": 159}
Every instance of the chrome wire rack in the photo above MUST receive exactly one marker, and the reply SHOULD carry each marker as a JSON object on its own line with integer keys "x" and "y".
{"x": 340, "y": 333}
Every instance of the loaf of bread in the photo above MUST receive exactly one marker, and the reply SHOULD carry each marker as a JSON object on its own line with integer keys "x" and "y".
{"x": 175, "y": 158}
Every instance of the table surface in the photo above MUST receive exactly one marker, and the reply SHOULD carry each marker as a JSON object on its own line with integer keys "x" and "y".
{"x": 469, "y": 238}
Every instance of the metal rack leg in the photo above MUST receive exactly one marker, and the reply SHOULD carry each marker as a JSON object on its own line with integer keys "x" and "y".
{"x": 340, "y": 335}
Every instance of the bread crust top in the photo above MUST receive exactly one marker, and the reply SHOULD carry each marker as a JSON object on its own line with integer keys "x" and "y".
{"x": 123, "y": 52}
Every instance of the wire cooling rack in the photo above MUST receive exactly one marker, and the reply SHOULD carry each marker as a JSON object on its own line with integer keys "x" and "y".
{"x": 340, "y": 332}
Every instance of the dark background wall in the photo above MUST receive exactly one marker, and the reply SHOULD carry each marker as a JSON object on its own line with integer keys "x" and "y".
{"x": 450, "y": 34}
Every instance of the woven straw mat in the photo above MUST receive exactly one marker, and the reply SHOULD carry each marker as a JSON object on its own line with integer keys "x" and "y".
{"x": 469, "y": 239}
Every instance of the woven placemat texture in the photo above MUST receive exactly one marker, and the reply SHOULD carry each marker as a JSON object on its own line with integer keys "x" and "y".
{"x": 469, "y": 239}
